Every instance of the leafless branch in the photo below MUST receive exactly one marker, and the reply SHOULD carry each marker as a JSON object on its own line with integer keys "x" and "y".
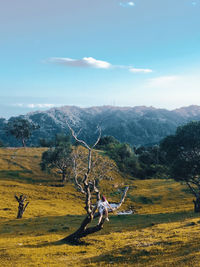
{"x": 89, "y": 187}
{"x": 76, "y": 138}
{"x": 97, "y": 141}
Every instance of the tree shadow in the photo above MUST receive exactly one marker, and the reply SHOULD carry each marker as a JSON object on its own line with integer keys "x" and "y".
{"x": 184, "y": 253}
{"x": 22, "y": 176}
{"x": 65, "y": 225}
{"x": 68, "y": 223}
{"x": 57, "y": 243}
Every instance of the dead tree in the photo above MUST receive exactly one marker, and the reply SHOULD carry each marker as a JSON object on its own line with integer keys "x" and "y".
{"x": 101, "y": 167}
{"x": 22, "y": 206}
{"x": 88, "y": 187}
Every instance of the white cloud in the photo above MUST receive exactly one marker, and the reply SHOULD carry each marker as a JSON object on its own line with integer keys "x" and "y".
{"x": 34, "y": 105}
{"x": 127, "y": 4}
{"x": 89, "y": 62}
{"x": 40, "y": 105}
{"x": 136, "y": 70}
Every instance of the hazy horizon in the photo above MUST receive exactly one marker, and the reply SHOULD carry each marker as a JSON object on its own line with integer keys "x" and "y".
{"x": 100, "y": 106}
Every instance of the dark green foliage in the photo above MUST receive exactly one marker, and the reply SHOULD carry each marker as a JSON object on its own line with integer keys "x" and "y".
{"x": 62, "y": 140}
{"x": 153, "y": 171}
{"x": 183, "y": 152}
{"x": 152, "y": 161}
{"x": 150, "y": 155}
{"x": 142, "y": 162}
{"x": 183, "y": 155}
{"x": 106, "y": 142}
{"x": 59, "y": 139}
{"x": 21, "y": 129}
{"x": 58, "y": 157}
{"x": 1, "y": 144}
{"x": 122, "y": 154}
{"x": 45, "y": 142}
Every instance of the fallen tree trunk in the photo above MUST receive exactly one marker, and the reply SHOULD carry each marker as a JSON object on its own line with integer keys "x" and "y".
{"x": 84, "y": 230}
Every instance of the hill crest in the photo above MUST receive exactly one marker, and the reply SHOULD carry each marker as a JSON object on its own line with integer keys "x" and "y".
{"x": 139, "y": 125}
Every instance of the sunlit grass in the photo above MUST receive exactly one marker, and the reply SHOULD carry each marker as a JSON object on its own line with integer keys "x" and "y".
{"x": 163, "y": 232}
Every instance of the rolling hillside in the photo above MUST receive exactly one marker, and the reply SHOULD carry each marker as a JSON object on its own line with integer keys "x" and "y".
{"x": 164, "y": 231}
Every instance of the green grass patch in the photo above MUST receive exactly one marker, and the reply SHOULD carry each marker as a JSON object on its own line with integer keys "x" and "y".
{"x": 145, "y": 200}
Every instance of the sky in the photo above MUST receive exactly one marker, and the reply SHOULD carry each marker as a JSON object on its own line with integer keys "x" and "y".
{"x": 98, "y": 52}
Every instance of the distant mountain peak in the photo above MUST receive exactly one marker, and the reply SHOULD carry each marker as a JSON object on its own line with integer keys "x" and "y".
{"x": 188, "y": 111}
{"x": 139, "y": 125}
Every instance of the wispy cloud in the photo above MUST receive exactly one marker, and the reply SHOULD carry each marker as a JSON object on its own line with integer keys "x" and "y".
{"x": 163, "y": 81}
{"x": 172, "y": 90}
{"x": 136, "y": 70}
{"x": 127, "y": 4}
{"x": 87, "y": 62}
{"x": 90, "y": 62}
{"x": 22, "y": 105}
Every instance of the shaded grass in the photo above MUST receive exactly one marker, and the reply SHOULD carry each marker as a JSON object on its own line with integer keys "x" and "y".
{"x": 145, "y": 200}
{"x": 68, "y": 223}
{"x": 170, "y": 242}
{"x": 21, "y": 176}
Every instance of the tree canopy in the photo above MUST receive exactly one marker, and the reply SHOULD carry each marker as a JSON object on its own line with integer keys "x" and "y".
{"x": 58, "y": 157}
{"x": 183, "y": 156}
{"x": 21, "y": 129}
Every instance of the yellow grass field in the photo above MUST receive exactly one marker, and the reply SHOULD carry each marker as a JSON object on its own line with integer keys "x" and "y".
{"x": 164, "y": 231}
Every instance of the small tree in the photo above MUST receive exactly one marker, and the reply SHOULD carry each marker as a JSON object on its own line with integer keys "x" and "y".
{"x": 183, "y": 156}
{"x": 21, "y": 129}
{"x": 88, "y": 188}
{"x": 58, "y": 157}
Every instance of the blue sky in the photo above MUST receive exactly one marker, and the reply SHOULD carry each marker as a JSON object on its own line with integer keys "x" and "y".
{"x": 98, "y": 52}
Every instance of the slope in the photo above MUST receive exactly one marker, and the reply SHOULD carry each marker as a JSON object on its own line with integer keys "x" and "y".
{"x": 163, "y": 232}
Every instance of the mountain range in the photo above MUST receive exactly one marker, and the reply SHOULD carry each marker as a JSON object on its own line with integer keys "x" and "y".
{"x": 138, "y": 125}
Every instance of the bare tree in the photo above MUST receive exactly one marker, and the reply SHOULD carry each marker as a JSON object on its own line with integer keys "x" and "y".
{"x": 22, "y": 206}
{"x": 88, "y": 186}
{"x": 101, "y": 167}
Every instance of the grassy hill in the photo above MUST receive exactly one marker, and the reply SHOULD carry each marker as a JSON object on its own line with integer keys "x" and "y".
{"x": 163, "y": 232}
